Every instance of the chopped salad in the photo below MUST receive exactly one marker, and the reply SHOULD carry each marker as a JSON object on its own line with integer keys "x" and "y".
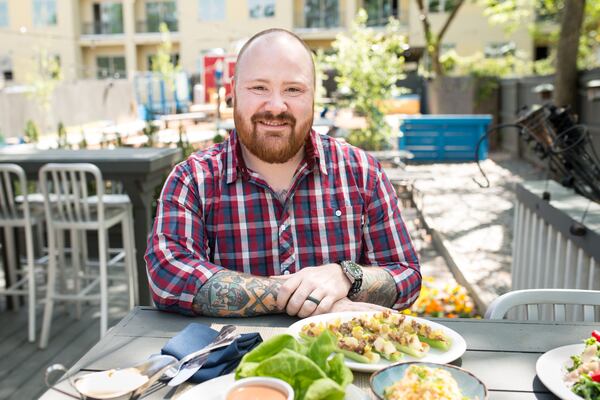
{"x": 385, "y": 334}
{"x": 583, "y": 376}
{"x": 420, "y": 382}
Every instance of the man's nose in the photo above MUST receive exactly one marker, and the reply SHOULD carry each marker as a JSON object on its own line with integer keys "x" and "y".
{"x": 276, "y": 104}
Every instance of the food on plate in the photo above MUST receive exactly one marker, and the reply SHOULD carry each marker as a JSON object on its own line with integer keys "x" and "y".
{"x": 306, "y": 367}
{"x": 386, "y": 334}
{"x": 583, "y": 376}
{"x": 420, "y": 382}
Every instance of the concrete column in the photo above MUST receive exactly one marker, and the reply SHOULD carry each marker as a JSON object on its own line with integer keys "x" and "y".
{"x": 351, "y": 8}
{"x": 129, "y": 30}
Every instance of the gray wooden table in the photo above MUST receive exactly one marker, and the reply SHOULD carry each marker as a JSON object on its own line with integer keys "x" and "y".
{"x": 140, "y": 170}
{"x": 501, "y": 353}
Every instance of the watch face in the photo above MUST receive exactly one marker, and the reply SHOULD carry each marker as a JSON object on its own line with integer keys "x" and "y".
{"x": 354, "y": 269}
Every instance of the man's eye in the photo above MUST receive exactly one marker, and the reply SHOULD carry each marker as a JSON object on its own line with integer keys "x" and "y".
{"x": 258, "y": 88}
{"x": 294, "y": 90}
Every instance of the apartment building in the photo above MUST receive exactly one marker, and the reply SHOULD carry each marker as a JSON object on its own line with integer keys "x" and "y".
{"x": 114, "y": 38}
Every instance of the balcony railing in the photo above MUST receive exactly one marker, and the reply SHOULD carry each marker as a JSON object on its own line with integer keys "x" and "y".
{"x": 153, "y": 26}
{"x": 102, "y": 28}
{"x": 318, "y": 21}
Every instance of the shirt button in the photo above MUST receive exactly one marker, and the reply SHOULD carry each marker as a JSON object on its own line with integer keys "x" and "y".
{"x": 338, "y": 213}
{"x": 286, "y": 272}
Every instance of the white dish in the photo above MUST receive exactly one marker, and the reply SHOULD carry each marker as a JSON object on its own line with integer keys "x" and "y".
{"x": 216, "y": 389}
{"x": 457, "y": 348}
{"x": 551, "y": 368}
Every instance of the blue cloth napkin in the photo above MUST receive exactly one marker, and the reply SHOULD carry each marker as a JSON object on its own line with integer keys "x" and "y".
{"x": 220, "y": 362}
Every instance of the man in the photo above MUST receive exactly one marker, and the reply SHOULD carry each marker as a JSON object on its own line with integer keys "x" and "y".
{"x": 278, "y": 218}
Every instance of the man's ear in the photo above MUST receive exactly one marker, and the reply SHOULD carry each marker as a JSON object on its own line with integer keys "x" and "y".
{"x": 233, "y": 90}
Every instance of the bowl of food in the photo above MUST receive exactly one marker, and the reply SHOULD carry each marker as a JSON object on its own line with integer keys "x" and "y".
{"x": 418, "y": 380}
{"x": 260, "y": 388}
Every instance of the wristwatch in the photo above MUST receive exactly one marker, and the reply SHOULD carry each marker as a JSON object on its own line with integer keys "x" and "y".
{"x": 354, "y": 273}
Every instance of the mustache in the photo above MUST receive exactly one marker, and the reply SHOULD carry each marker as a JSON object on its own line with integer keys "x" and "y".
{"x": 269, "y": 116}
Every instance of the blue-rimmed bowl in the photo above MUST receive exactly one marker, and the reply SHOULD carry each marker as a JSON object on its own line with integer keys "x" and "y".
{"x": 470, "y": 386}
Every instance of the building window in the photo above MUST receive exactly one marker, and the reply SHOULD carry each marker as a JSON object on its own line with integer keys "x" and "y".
{"x": 111, "y": 67}
{"x": 174, "y": 59}
{"x": 499, "y": 49}
{"x": 44, "y": 12}
{"x": 108, "y": 19}
{"x": 441, "y": 6}
{"x": 3, "y": 13}
{"x": 321, "y": 14}
{"x": 261, "y": 8}
{"x": 380, "y": 11}
{"x": 158, "y": 12}
{"x": 211, "y": 10}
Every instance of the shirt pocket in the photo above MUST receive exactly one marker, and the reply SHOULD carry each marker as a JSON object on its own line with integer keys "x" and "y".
{"x": 340, "y": 233}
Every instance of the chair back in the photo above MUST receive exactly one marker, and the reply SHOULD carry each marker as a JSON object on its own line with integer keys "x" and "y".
{"x": 549, "y": 304}
{"x": 68, "y": 190}
{"x": 12, "y": 183}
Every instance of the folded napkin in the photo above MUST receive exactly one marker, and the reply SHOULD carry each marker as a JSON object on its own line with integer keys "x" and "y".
{"x": 220, "y": 362}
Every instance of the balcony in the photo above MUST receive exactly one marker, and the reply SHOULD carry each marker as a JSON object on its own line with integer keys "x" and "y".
{"x": 313, "y": 24}
{"x": 102, "y": 28}
{"x": 153, "y": 26}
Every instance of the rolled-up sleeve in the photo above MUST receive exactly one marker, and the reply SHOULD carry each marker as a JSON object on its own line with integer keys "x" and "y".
{"x": 177, "y": 254}
{"x": 387, "y": 243}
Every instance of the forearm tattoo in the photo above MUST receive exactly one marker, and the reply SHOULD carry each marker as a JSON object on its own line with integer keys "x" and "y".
{"x": 234, "y": 294}
{"x": 378, "y": 287}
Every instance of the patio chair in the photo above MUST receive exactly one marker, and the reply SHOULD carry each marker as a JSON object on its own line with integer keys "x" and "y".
{"x": 581, "y": 302}
{"x": 74, "y": 201}
{"x": 15, "y": 215}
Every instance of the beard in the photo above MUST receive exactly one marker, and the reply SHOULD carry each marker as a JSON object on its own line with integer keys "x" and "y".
{"x": 267, "y": 149}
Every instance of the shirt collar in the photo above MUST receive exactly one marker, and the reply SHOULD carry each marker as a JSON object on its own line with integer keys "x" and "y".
{"x": 314, "y": 155}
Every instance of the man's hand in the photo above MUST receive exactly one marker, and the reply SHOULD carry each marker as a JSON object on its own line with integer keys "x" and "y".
{"x": 346, "y": 304}
{"x": 326, "y": 283}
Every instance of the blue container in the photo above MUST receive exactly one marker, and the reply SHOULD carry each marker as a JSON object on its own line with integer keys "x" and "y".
{"x": 441, "y": 138}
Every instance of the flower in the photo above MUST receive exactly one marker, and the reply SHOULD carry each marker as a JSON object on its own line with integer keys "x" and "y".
{"x": 449, "y": 301}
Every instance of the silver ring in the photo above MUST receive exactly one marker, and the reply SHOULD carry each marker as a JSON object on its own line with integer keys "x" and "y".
{"x": 310, "y": 298}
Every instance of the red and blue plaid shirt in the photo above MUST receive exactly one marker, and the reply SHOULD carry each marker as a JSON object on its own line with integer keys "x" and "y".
{"x": 214, "y": 213}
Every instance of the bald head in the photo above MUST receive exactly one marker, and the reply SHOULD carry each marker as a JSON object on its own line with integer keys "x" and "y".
{"x": 269, "y": 43}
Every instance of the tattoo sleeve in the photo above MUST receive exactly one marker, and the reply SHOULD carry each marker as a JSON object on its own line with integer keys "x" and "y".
{"x": 234, "y": 294}
{"x": 378, "y": 287}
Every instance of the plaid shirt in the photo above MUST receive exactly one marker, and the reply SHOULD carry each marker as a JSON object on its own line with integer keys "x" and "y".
{"x": 214, "y": 213}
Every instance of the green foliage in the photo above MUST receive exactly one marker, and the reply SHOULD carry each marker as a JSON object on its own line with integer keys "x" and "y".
{"x": 543, "y": 17}
{"x": 43, "y": 78}
{"x": 161, "y": 62}
{"x": 369, "y": 63}
{"x": 32, "y": 134}
{"x": 83, "y": 144}
{"x": 184, "y": 144}
{"x": 150, "y": 130}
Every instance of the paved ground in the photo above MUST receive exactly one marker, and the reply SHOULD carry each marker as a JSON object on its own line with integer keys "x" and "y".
{"x": 471, "y": 226}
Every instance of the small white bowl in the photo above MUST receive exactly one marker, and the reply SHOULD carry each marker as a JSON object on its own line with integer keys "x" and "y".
{"x": 274, "y": 383}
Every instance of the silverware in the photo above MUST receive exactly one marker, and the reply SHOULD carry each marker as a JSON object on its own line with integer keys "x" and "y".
{"x": 191, "y": 363}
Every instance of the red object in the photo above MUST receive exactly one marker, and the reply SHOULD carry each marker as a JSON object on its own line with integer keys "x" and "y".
{"x": 208, "y": 74}
{"x": 595, "y": 375}
{"x": 596, "y": 335}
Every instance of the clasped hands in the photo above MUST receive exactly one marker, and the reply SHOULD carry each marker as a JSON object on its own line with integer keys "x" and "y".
{"x": 318, "y": 290}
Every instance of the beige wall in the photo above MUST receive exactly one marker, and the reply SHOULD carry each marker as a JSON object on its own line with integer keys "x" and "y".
{"x": 470, "y": 32}
{"x": 90, "y": 54}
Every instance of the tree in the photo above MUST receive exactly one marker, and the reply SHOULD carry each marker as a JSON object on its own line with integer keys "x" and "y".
{"x": 433, "y": 41}
{"x": 565, "y": 82}
{"x": 162, "y": 62}
{"x": 368, "y": 64}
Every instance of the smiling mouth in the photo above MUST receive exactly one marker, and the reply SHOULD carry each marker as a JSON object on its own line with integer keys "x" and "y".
{"x": 273, "y": 123}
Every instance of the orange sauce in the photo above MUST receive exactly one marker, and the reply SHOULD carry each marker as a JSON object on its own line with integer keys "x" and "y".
{"x": 256, "y": 392}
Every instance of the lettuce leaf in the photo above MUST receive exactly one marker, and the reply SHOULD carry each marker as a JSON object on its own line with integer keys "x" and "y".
{"x": 308, "y": 369}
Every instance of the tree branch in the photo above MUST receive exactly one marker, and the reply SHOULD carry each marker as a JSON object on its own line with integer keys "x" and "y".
{"x": 448, "y": 20}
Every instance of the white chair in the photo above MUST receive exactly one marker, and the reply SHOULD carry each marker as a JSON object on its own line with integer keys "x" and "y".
{"x": 74, "y": 202}
{"x": 583, "y": 302}
{"x": 14, "y": 215}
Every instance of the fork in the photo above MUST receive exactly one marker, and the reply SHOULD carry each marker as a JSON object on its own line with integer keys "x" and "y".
{"x": 196, "y": 359}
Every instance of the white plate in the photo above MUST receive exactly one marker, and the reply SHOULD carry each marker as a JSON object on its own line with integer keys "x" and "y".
{"x": 458, "y": 347}
{"x": 216, "y": 389}
{"x": 551, "y": 368}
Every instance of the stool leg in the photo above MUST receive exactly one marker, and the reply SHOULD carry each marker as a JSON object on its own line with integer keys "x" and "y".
{"x": 50, "y": 289}
{"x": 129, "y": 249}
{"x": 30, "y": 281}
{"x": 12, "y": 261}
{"x": 62, "y": 261}
{"x": 102, "y": 255}
{"x": 76, "y": 261}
